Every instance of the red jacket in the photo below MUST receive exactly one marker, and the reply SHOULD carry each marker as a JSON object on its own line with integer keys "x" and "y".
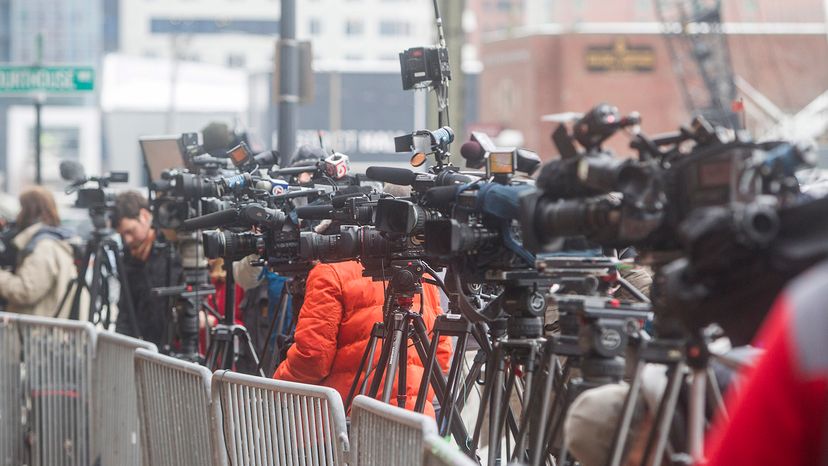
{"x": 780, "y": 415}
{"x": 334, "y": 326}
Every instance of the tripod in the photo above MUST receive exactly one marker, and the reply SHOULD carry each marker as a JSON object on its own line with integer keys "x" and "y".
{"x": 98, "y": 251}
{"x": 678, "y": 354}
{"x": 222, "y": 351}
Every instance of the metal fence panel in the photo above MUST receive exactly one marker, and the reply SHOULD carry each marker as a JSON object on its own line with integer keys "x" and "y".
{"x": 174, "y": 411}
{"x": 382, "y": 434}
{"x": 50, "y": 424}
{"x": 272, "y": 422}
{"x": 116, "y": 439}
{"x": 11, "y": 433}
{"x": 439, "y": 452}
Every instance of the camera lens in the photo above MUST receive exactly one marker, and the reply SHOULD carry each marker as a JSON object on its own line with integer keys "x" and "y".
{"x": 194, "y": 186}
{"x": 228, "y": 244}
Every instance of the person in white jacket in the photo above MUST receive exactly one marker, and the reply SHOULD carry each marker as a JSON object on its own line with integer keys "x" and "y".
{"x": 45, "y": 263}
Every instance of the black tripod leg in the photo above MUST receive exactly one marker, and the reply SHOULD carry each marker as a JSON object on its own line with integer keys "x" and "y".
{"x": 364, "y": 369}
{"x": 488, "y": 386}
{"x": 559, "y": 407}
{"x": 127, "y": 305}
{"x": 74, "y": 312}
{"x": 402, "y": 364}
{"x": 282, "y": 309}
{"x": 471, "y": 379}
{"x": 95, "y": 286}
{"x": 447, "y": 414}
{"x": 244, "y": 335}
{"x": 495, "y": 407}
{"x": 546, "y": 384}
{"x": 385, "y": 351}
{"x": 526, "y": 414}
{"x": 438, "y": 381}
{"x": 422, "y": 393}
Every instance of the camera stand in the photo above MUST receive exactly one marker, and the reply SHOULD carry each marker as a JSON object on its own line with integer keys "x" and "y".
{"x": 401, "y": 324}
{"x": 188, "y": 300}
{"x": 678, "y": 355}
{"x": 98, "y": 251}
{"x": 226, "y": 336}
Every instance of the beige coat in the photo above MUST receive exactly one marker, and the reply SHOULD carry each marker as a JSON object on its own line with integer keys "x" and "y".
{"x": 40, "y": 281}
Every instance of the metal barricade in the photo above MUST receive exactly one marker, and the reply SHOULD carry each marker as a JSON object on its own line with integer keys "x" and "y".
{"x": 382, "y": 434}
{"x": 439, "y": 452}
{"x": 174, "y": 411}
{"x": 116, "y": 439}
{"x": 46, "y": 405}
{"x": 272, "y": 422}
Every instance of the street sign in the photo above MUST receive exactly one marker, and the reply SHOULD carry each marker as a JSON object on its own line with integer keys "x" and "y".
{"x": 49, "y": 79}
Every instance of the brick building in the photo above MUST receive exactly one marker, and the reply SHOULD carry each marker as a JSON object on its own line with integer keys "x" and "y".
{"x": 779, "y": 66}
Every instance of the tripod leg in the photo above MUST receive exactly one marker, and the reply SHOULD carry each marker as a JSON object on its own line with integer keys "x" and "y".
{"x": 623, "y": 429}
{"x": 529, "y": 398}
{"x": 450, "y": 397}
{"x": 438, "y": 381}
{"x": 385, "y": 352}
{"x": 488, "y": 386}
{"x": 402, "y": 364}
{"x": 367, "y": 359}
{"x": 392, "y": 365}
{"x": 559, "y": 407}
{"x": 422, "y": 393}
{"x": 243, "y": 335}
{"x": 548, "y": 371}
{"x": 94, "y": 288}
{"x": 280, "y": 312}
{"x": 696, "y": 421}
{"x": 714, "y": 395}
{"x": 664, "y": 417}
{"x": 496, "y": 402}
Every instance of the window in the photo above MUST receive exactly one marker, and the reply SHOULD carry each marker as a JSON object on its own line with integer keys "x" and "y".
{"x": 394, "y": 28}
{"x": 236, "y": 60}
{"x": 315, "y": 26}
{"x": 354, "y": 27}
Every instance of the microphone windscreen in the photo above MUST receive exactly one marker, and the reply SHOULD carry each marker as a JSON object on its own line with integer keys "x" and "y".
{"x": 213, "y": 220}
{"x": 391, "y": 175}
{"x": 71, "y": 170}
{"x": 472, "y": 150}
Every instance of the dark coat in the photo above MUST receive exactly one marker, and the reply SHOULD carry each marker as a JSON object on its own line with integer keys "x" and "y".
{"x": 152, "y": 313}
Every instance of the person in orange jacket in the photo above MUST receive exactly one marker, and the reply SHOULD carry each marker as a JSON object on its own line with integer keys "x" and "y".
{"x": 334, "y": 327}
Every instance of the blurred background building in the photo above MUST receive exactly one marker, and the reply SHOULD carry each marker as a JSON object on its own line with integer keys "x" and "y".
{"x": 173, "y": 66}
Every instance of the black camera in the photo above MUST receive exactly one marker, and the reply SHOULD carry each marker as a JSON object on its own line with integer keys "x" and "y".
{"x": 424, "y": 66}
{"x": 96, "y": 198}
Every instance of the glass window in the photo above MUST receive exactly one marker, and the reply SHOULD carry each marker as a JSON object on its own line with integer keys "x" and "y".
{"x": 394, "y": 28}
{"x": 315, "y": 26}
{"x": 354, "y": 27}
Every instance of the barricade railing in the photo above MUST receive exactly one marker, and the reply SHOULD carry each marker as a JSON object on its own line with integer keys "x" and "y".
{"x": 46, "y": 393}
{"x": 175, "y": 412}
{"x": 116, "y": 436}
{"x": 439, "y": 452}
{"x": 382, "y": 434}
{"x": 272, "y": 422}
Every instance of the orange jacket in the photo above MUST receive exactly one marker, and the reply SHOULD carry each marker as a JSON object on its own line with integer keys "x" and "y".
{"x": 334, "y": 326}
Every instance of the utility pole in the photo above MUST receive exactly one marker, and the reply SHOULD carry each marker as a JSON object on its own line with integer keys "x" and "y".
{"x": 455, "y": 38}
{"x": 288, "y": 82}
{"x": 38, "y": 105}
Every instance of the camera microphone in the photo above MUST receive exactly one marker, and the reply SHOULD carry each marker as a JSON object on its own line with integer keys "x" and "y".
{"x": 72, "y": 171}
{"x": 213, "y": 220}
{"x": 474, "y": 154}
{"x": 401, "y": 176}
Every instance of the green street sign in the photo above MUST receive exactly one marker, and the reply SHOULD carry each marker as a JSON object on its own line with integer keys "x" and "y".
{"x": 50, "y": 79}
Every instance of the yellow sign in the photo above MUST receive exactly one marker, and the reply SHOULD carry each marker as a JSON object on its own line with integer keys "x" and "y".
{"x": 620, "y": 56}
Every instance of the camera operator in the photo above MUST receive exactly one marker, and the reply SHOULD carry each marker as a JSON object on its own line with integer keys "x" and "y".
{"x": 45, "y": 263}
{"x": 150, "y": 262}
{"x": 779, "y": 414}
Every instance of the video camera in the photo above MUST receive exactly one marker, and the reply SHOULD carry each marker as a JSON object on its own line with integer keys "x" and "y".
{"x": 97, "y": 199}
